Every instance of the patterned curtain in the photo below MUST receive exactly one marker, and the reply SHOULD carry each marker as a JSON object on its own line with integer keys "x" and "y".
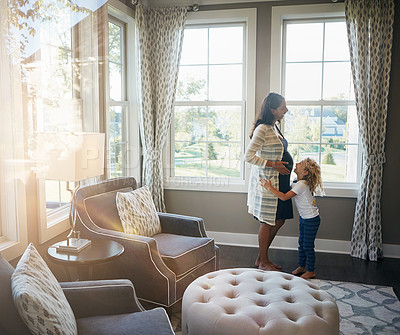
{"x": 370, "y": 30}
{"x": 160, "y": 37}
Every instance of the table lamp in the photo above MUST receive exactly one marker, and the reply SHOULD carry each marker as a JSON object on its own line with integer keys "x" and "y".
{"x": 71, "y": 157}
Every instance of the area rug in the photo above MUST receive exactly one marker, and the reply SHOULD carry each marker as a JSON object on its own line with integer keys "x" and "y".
{"x": 364, "y": 309}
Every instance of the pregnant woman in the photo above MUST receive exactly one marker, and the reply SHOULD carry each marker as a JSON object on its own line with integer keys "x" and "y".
{"x": 267, "y": 152}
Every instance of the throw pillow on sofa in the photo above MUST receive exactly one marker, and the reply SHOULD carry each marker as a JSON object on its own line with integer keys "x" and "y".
{"x": 137, "y": 212}
{"x": 39, "y": 298}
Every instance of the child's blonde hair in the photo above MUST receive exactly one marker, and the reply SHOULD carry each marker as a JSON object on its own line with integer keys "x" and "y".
{"x": 313, "y": 178}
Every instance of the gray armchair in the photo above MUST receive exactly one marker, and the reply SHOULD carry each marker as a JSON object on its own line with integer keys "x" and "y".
{"x": 161, "y": 266}
{"x": 104, "y": 307}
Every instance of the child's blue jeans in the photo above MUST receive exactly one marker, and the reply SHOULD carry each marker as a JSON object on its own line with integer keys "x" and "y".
{"x": 308, "y": 229}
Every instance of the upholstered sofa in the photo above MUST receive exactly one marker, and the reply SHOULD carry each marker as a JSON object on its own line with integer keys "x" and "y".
{"x": 161, "y": 266}
{"x": 103, "y": 307}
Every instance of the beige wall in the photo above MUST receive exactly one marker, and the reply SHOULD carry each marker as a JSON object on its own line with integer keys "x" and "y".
{"x": 227, "y": 212}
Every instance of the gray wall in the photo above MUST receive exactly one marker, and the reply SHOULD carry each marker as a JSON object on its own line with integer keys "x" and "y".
{"x": 227, "y": 212}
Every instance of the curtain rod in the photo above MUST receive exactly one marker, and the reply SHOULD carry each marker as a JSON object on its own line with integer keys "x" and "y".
{"x": 192, "y": 8}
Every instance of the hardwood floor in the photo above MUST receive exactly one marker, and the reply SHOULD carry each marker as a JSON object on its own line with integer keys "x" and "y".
{"x": 385, "y": 272}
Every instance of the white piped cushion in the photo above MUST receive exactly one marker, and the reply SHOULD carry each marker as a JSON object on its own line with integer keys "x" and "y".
{"x": 251, "y": 301}
{"x": 39, "y": 298}
{"x": 137, "y": 212}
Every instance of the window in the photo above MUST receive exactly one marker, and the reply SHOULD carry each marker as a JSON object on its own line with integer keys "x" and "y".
{"x": 317, "y": 83}
{"x": 122, "y": 126}
{"x": 63, "y": 91}
{"x": 117, "y": 95}
{"x": 212, "y": 98}
{"x": 51, "y": 84}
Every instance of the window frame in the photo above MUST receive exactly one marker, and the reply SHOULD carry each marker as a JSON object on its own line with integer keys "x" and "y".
{"x": 57, "y": 222}
{"x": 125, "y": 15}
{"x": 14, "y": 233}
{"x": 322, "y": 11}
{"x": 203, "y": 18}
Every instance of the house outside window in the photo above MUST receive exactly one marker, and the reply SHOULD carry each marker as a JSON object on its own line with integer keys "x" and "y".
{"x": 210, "y": 123}
{"x": 315, "y": 78}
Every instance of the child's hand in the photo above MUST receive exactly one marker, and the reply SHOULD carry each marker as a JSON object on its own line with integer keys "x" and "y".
{"x": 265, "y": 183}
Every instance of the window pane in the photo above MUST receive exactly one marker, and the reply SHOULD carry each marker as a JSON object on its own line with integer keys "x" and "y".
{"x": 115, "y": 81}
{"x": 192, "y": 83}
{"x": 114, "y": 43}
{"x": 226, "y": 82}
{"x": 225, "y": 123}
{"x": 117, "y": 142}
{"x": 339, "y": 124}
{"x": 303, "y": 81}
{"x": 338, "y": 81}
{"x": 302, "y": 151}
{"x": 190, "y": 159}
{"x": 338, "y": 163}
{"x": 194, "y": 48}
{"x": 56, "y": 194}
{"x": 302, "y": 124}
{"x": 336, "y": 43}
{"x": 226, "y": 45}
{"x": 224, "y": 160}
{"x": 304, "y": 42}
{"x": 190, "y": 123}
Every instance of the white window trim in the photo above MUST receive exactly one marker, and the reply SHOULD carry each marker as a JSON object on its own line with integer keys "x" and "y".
{"x": 54, "y": 223}
{"x": 223, "y": 184}
{"x": 280, "y": 13}
{"x": 14, "y": 238}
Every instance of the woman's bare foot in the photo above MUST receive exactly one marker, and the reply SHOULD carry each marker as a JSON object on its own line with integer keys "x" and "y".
{"x": 268, "y": 267}
{"x": 277, "y": 266}
{"x": 308, "y": 275}
{"x": 300, "y": 270}
{"x": 257, "y": 263}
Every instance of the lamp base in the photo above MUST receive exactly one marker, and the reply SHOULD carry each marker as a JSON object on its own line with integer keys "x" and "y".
{"x": 73, "y": 245}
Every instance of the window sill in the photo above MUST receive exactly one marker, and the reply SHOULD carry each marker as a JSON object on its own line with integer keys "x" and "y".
{"x": 206, "y": 185}
{"x": 234, "y": 186}
{"x": 341, "y": 192}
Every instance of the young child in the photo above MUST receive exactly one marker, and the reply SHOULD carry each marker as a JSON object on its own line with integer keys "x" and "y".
{"x": 308, "y": 180}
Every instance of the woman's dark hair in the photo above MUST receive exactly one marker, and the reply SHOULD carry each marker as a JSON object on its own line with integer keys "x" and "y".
{"x": 265, "y": 116}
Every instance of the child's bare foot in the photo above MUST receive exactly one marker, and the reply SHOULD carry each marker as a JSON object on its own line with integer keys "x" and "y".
{"x": 299, "y": 271}
{"x": 268, "y": 267}
{"x": 308, "y": 275}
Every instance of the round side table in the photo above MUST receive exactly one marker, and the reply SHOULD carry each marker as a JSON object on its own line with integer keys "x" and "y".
{"x": 98, "y": 252}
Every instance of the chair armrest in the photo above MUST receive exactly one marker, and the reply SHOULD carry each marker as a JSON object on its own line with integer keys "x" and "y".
{"x": 182, "y": 225}
{"x": 101, "y": 297}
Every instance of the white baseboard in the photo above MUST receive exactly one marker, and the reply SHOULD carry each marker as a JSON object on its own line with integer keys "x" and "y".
{"x": 290, "y": 243}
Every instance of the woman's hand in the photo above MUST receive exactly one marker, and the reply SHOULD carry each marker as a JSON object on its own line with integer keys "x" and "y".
{"x": 280, "y": 167}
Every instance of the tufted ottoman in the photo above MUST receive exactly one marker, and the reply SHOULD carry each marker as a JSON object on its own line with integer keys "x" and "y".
{"x": 250, "y": 301}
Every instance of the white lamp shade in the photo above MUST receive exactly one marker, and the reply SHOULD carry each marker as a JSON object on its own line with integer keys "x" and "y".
{"x": 70, "y": 156}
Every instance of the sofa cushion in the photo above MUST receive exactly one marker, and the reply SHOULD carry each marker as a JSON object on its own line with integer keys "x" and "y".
{"x": 184, "y": 253}
{"x": 138, "y": 213}
{"x": 151, "y": 322}
{"x": 10, "y": 321}
{"x": 39, "y": 298}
